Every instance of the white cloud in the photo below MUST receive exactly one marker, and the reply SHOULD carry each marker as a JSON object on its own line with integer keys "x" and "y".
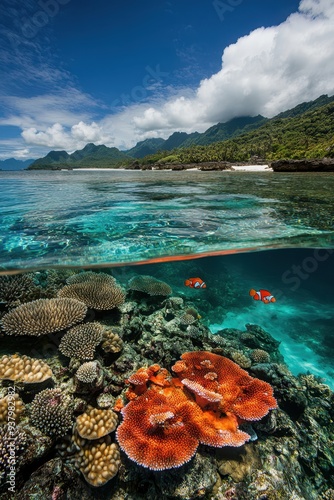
{"x": 21, "y": 153}
{"x": 265, "y": 72}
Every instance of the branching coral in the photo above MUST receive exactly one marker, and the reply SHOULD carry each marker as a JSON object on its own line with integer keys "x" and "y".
{"x": 24, "y": 369}
{"x": 80, "y": 341}
{"x": 166, "y": 419}
{"x": 43, "y": 316}
{"x": 260, "y": 356}
{"x": 13, "y": 442}
{"x": 15, "y": 290}
{"x": 97, "y": 290}
{"x": 149, "y": 285}
{"x": 88, "y": 372}
{"x": 51, "y": 412}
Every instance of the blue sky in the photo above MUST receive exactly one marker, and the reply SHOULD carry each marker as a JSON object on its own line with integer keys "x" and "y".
{"x": 118, "y": 72}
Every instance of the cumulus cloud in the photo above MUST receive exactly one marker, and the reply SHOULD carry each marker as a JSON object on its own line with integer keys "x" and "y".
{"x": 265, "y": 72}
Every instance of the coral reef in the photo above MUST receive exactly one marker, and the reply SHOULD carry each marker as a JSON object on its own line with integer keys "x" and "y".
{"x": 18, "y": 289}
{"x": 88, "y": 372}
{"x": 43, "y": 316}
{"x": 201, "y": 426}
{"x": 97, "y": 290}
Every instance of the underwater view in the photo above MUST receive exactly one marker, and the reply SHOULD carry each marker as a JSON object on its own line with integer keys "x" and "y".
{"x": 166, "y": 335}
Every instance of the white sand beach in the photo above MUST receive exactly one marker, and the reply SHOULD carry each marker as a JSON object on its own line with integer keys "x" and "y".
{"x": 252, "y": 168}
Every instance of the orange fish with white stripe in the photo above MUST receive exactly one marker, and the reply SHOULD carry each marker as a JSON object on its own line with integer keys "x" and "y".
{"x": 195, "y": 283}
{"x": 263, "y": 295}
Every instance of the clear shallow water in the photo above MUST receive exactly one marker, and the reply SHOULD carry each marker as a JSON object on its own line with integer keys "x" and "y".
{"x": 51, "y": 219}
{"x": 77, "y": 218}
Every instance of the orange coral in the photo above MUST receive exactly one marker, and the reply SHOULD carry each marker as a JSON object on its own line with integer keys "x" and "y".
{"x": 167, "y": 418}
{"x": 157, "y": 430}
{"x": 205, "y": 373}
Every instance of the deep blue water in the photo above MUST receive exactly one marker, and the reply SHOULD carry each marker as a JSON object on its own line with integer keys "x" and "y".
{"x": 283, "y": 224}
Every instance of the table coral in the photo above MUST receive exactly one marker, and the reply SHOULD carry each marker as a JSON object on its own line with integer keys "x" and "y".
{"x": 149, "y": 285}
{"x": 43, "y": 316}
{"x": 247, "y": 397}
{"x": 97, "y": 290}
{"x": 24, "y": 369}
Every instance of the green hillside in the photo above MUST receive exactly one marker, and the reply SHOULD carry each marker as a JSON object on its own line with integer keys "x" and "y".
{"x": 294, "y": 134}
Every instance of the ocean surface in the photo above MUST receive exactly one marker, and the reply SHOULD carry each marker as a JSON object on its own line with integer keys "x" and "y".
{"x": 256, "y": 230}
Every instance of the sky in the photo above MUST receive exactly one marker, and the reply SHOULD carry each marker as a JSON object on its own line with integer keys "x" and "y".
{"x": 115, "y": 73}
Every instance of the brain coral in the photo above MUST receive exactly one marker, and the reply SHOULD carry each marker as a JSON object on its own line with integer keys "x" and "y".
{"x": 43, "y": 316}
{"x": 24, "y": 369}
{"x": 97, "y": 290}
{"x": 80, "y": 341}
{"x": 51, "y": 412}
{"x": 150, "y": 285}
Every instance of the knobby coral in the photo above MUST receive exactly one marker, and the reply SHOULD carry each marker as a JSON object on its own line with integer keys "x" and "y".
{"x": 96, "y": 423}
{"x": 166, "y": 419}
{"x": 24, "y": 369}
{"x": 97, "y": 290}
{"x": 43, "y": 316}
{"x": 98, "y": 460}
{"x": 10, "y": 406}
{"x": 150, "y": 285}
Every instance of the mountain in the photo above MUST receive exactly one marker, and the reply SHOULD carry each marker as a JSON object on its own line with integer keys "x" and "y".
{"x": 218, "y": 132}
{"x": 306, "y": 106}
{"x": 12, "y": 164}
{"x": 147, "y": 147}
{"x": 223, "y": 131}
{"x": 90, "y": 156}
{"x": 305, "y": 131}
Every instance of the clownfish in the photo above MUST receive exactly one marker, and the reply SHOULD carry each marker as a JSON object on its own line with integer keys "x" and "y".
{"x": 263, "y": 295}
{"x": 195, "y": 283}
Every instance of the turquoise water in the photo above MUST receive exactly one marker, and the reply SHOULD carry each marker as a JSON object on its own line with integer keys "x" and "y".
{"x": 77, "y": 218}
{"x": 103, "y": 218}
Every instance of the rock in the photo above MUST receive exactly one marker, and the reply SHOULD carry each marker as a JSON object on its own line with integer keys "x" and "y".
{"x": 315, "y": 165}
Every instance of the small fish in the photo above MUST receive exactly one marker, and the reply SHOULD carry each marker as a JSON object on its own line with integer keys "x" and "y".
{"x": 263, "y": 295}
{"x": 195, "y": 283}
